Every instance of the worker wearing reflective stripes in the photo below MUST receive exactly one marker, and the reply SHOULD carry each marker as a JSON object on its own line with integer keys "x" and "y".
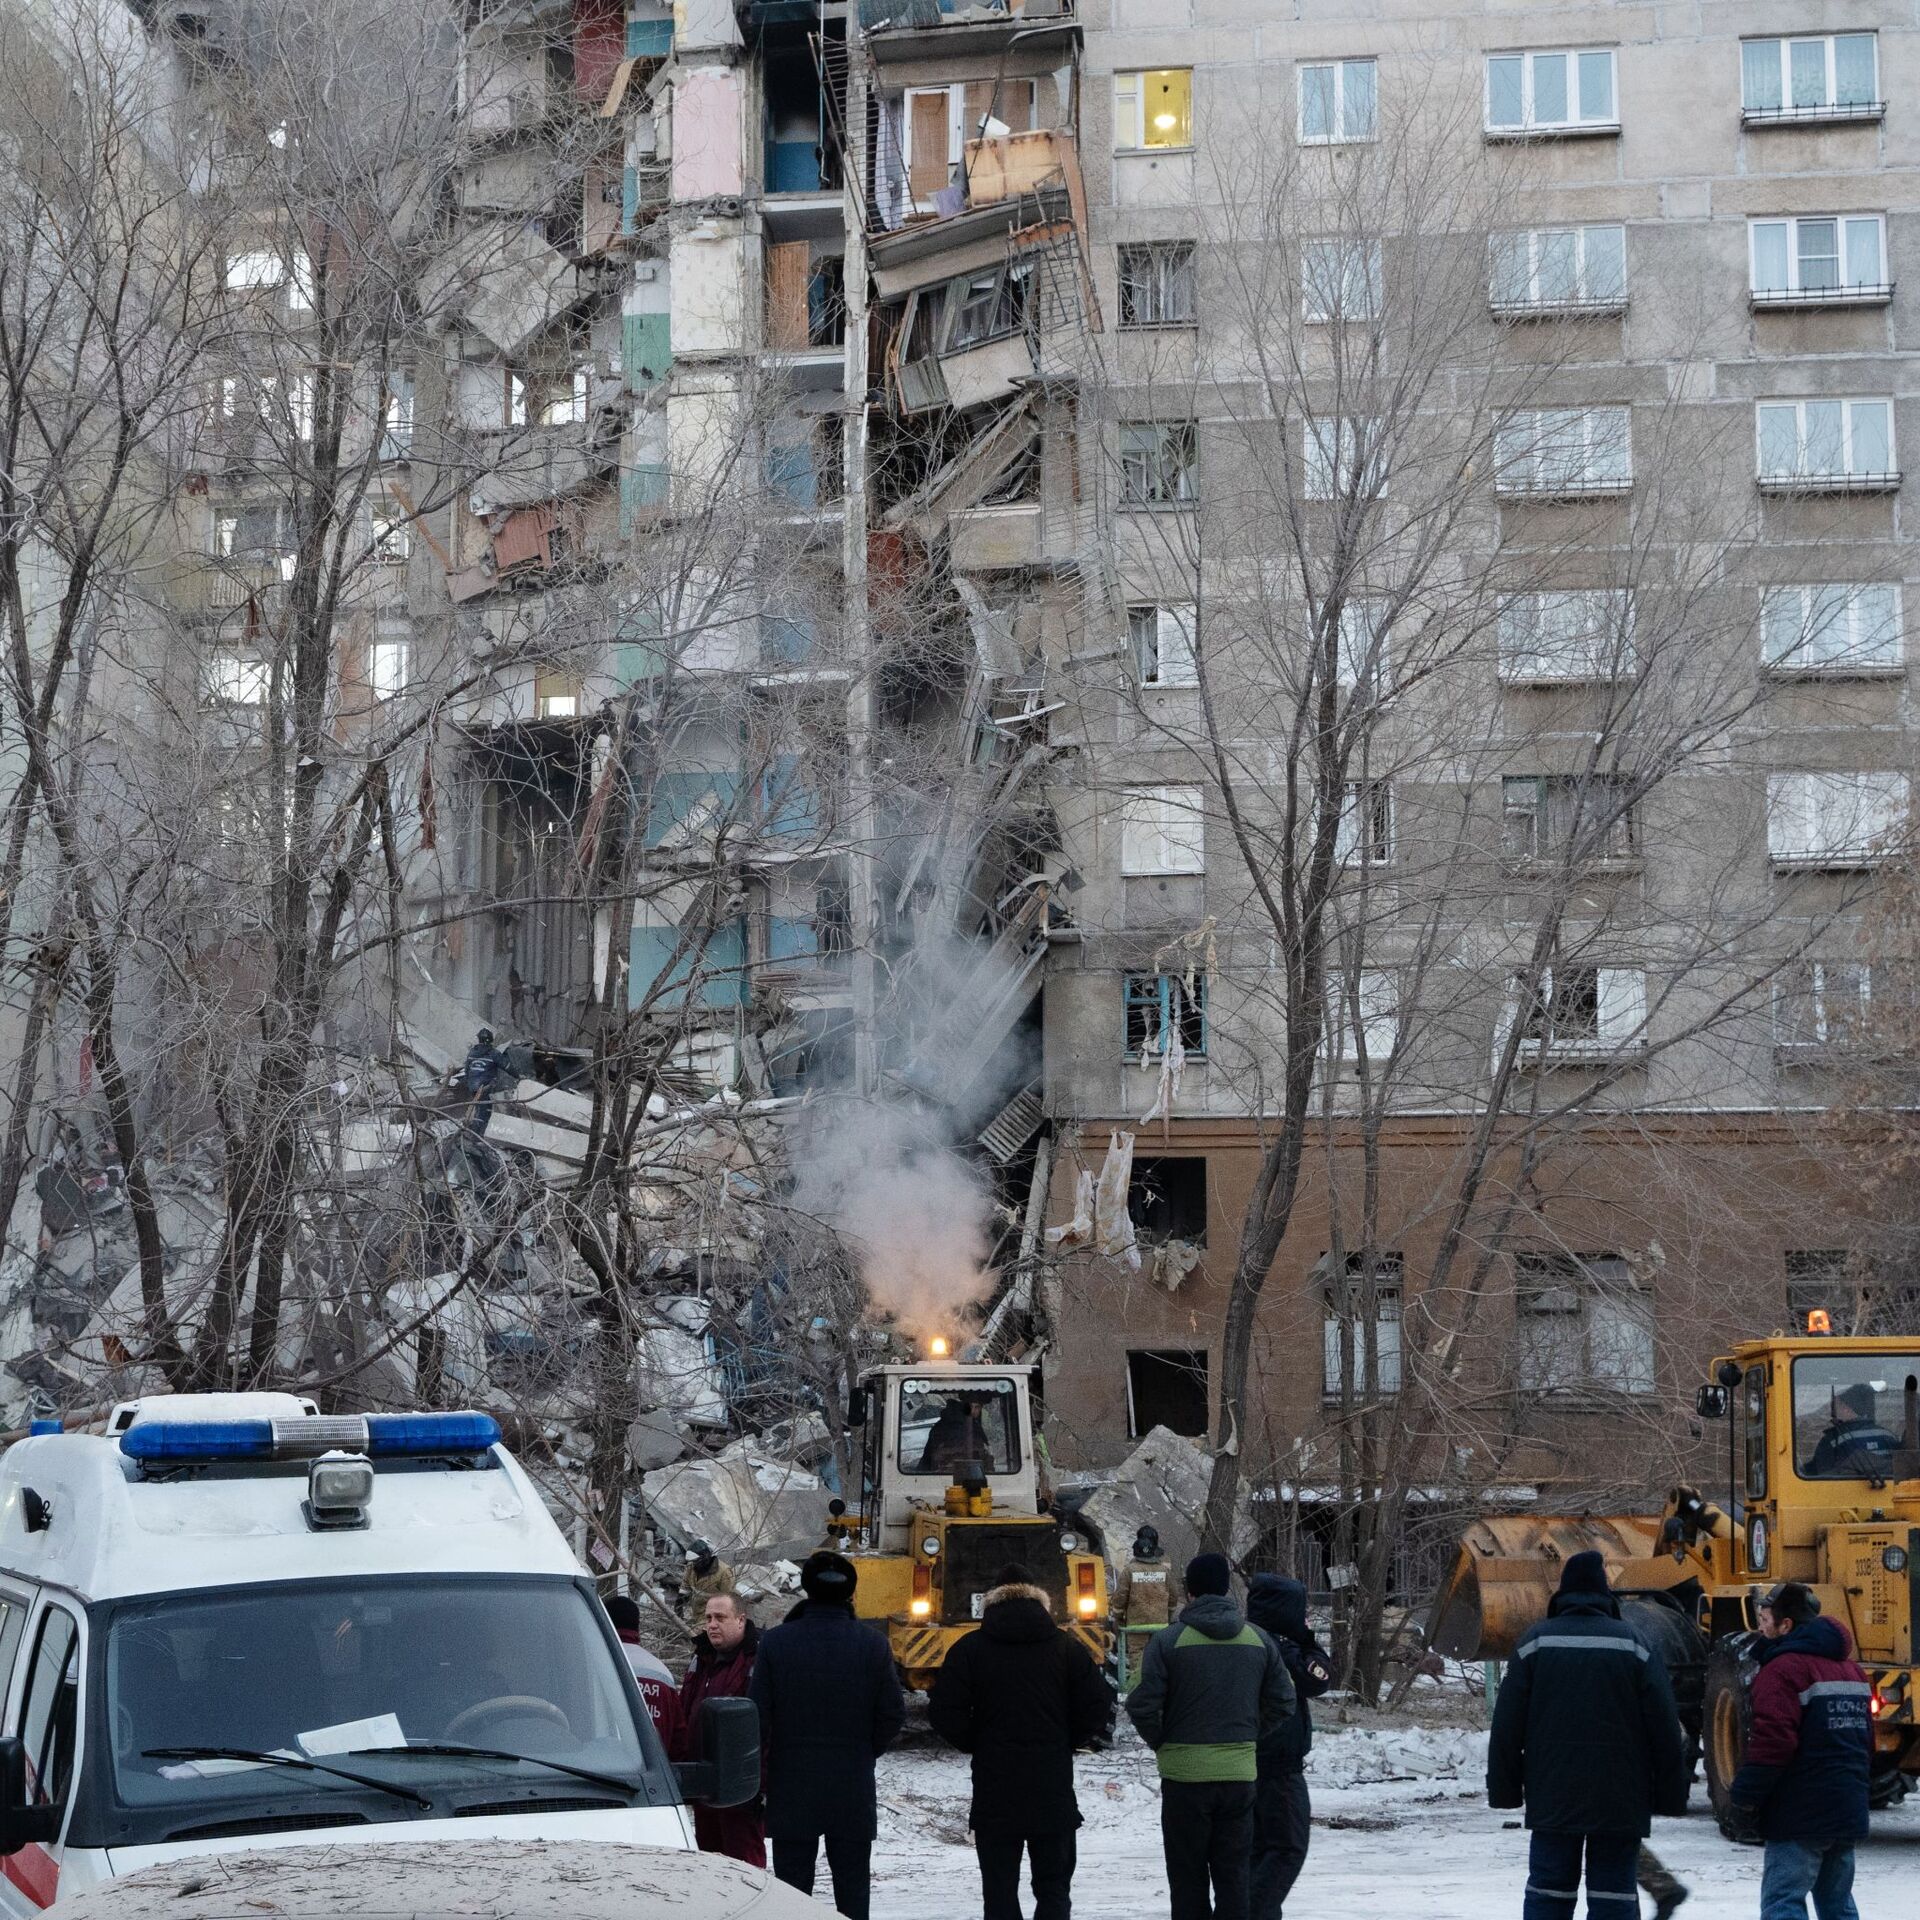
{"x": 1803, "y": 1781}
{"x": 1587, "y": 1738}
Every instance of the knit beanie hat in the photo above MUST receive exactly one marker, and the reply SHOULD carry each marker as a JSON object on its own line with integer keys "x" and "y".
{"x": 828, "y": 1576}
{"x": 1585, "y": 1573}
{"x": 1208, "y": 1573}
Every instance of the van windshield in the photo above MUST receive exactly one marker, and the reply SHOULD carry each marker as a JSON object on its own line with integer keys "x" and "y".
{"x": 319, "y": 1670}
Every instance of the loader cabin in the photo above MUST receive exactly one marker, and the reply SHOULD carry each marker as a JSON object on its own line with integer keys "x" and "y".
{"x": 1823, "y": 1457}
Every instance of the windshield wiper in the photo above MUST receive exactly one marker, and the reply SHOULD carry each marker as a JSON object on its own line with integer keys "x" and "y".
{"x": 500, "y": 1753}
{"x": 285, "y": 1760}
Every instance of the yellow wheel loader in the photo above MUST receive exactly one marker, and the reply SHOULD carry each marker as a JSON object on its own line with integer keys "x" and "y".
{"x": 1823, "y": 1487}
{"x": 951, "y": 1494}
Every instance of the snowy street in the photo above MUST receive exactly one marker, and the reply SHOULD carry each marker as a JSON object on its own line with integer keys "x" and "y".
{"x": 1384, "y": 1848}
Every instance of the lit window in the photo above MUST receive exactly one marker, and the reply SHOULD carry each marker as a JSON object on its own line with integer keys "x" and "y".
{"x": 1834, "y": 819}
{"x": 1364, "y": 835}
{"x": 1831, "y": 629}
{"x": 1564, "y": 452}
{"x": 1156, "y": 284}
{"x": 1157, "y": 463}
{"x": 387, "y": 663}
{"x": 1162, "y": 830}
{"x": 1340, "y": 280}
{"x": 1826, "y": 76}
{"x": 1560, "y": 92}
{"x": 1585, "y": 1325}
{"x": 1339, "y": 102}
{"x": 1153, "y": 109}
{"x": 1583, "y": 634}
{"x": 1162, "y": 641}
{"x": 1818, "y": 259}
{"x": 1826, "y": 445}
{"x": 1559, "y": 270}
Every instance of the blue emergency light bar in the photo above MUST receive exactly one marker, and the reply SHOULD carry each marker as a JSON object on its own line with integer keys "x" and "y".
{"x": 381, "y": 1436}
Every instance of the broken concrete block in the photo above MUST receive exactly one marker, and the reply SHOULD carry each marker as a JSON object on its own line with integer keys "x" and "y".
{"x": 1162, "y": 1484}
{"x": 746, "y": 1508}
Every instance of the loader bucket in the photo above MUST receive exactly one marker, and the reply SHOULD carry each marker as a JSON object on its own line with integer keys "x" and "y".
{"x": 1508, "y": 1567}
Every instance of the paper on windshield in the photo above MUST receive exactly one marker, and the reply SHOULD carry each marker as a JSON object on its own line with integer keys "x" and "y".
{"x": 353, "y": 1736}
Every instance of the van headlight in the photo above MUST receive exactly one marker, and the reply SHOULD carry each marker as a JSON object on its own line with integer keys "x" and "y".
{"x": 1069, "y": 1543}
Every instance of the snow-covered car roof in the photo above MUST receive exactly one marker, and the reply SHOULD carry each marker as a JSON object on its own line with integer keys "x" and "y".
{"x": 111, "y": 1531}
{"x": 424, "y": 1879}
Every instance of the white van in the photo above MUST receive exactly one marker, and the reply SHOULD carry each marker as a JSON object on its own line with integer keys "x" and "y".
{"x": 232, "y": 1622}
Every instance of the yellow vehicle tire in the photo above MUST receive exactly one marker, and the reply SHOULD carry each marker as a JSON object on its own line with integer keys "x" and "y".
{"x": 1726, "y": 1721}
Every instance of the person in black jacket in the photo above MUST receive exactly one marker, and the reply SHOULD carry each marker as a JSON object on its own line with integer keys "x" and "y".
{"x": 1019, "y": 1696}
{"x": 1282, "y": 1813}
{"x": 830, "y": 1705}
{"x": 1586, "y": 1735}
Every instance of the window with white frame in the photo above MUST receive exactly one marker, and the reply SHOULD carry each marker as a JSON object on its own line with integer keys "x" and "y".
{"x": 1340, "y": 280}
{"x": 1360, "y": 1344}
{"x": 1156, "y": 284}
{"x": 1581, "y": 1012}
{"x": 1162, "y": 830}
{"x": 235, "y": 679}
{"x": 1812, "y": 258}
{"x": 1345, "y": 458}
{"x": 1566, "y": 90}
{"x": 1157, "y": 463}
{"x": 1826, "y": 444}
{"x": 1822, "y": 1003}
{"x": 1363, "y": 1008}
{"x": 1363, "y": 837}
{"x": 565, "y": 404}
{"x": 392, "y": 534}
{"x": 1564, "y": 452}
{"x": 1559, "y": 270}
{"x": 1162, "y": 641}
{"x": 388, "y": 661}
{"x": 397, "y": 436}
{"x": 1584, "y": 1325}
{"x": 252, "y": 271}
{"x": 1572, "y": 635}
{"x": 1361, "y": 646}
{"x": 1554, "y": 816}
{"x": 300, "y": 405}
{"x": 937, "y": 123}
{"x": 1832, "y": 629}
{"x": 1834, "y": 819}
{"x": 1819, "y": 76}
{"x": 1152, "y": 109}
{"x": 1339, "y": 102}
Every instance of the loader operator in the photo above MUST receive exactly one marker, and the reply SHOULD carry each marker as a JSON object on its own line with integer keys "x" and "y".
{"x": 957, "y": 1437}
{"x": 1855, "y": 1443}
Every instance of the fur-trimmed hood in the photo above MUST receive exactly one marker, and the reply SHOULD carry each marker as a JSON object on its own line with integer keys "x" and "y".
{"x": 1017, "y": 1611}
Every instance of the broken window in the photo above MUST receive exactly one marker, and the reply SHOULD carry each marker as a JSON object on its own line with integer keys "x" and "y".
{"x": 988, "y": 305}
{"x": 236, "y": 679}
{"x": 1156, "y": 284}
{"x": 1162, "y": 642}
{"x": 1585, "y": 1325}
{"x": 1167, "y": 1198}
{"x": 1352, "y": 1338}
{"x": 1167, "y": 1387}
{"x": 392, "y": 534}
{"x": 565, "y": 401}
{"x": 255, "y": 533}
{"x": 1160, "y": 1004}
{"x": 1157, "y": 462}
{"x": 1822, "y": 1003}
{"x": 937, "y": 123}
{"x": 1364, "y": 835}
{"x": 1162, "y": 830}
{"x": 1586, "y": 1010}
{"x": 1559, "y": 816}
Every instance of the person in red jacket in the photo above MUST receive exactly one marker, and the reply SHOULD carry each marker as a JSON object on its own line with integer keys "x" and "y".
{"x": 1803, "y": 1779}
{"x": 652, "y": 1676}
{"x": 723, "y": 1668}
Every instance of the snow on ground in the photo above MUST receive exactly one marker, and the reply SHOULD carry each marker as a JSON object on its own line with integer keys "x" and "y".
{"x": 1401, "y": 1831}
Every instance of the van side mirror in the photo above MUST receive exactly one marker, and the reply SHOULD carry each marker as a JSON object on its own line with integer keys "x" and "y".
{"x": 1710, "y": 1402}
{"x": 21, "y": 1823}
{"x": 726, "y": 1735}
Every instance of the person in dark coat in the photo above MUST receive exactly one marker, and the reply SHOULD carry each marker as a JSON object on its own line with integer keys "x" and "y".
{"x": 722, "y": 1668}
{"x": 1587, "y": 1737}
{"x": 1019, "y": 1696}
{"x": 1211, "y": 1688}
{"x": 1282, "y": 1813}
{"x": 830, "y": 1705}
{"x": 1803, "y": 1779}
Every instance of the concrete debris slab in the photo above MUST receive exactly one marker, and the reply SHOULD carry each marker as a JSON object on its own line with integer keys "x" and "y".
{"x": 748, "y": 1507}
{"x": 655, "y": 1440}
{"x": 1161, "y": 1484}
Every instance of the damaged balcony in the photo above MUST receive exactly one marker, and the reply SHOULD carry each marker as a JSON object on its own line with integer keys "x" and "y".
{"x": 901, "y": 30}
{"x": 804, "y": 89}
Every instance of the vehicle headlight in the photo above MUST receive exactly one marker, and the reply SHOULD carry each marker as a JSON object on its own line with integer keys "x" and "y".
{"x": 931, "y": 1544}
{"x": 1069, "y": 1543}
{"x": 1894, "y": 1559}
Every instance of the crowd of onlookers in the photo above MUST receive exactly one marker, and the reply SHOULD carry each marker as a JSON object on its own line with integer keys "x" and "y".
{"x": 1586, "y": 1738}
